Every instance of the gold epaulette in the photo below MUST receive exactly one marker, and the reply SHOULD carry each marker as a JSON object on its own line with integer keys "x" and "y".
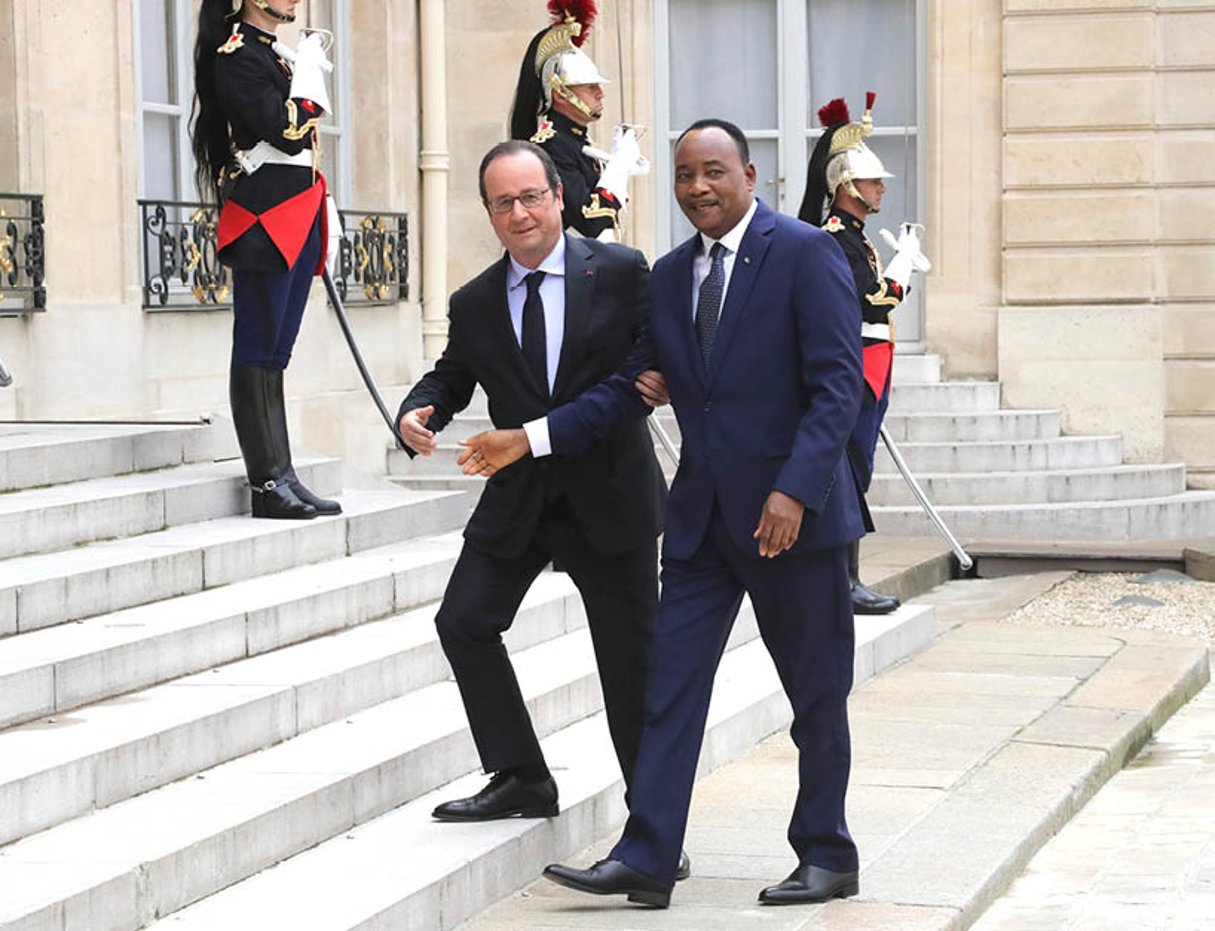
{"x": 544, "y": 133}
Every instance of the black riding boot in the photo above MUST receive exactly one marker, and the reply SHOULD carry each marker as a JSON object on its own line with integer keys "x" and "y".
{"x": 248, "y": 392}
{"x": 865, "y": 601}
{"x": 278, "y": 423}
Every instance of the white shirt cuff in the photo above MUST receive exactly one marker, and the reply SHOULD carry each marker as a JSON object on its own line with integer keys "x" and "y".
{"x": 537, "y": 437}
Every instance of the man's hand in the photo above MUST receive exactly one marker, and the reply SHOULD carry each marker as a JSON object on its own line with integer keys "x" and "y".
{"x": 493, "y": 450}
{"x": 779, "y": 524}
{"x": 412, "y": 427}
{"x": 653, "y": 388}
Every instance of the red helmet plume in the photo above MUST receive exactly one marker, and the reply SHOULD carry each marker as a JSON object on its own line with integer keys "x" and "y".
{"x": 834, "y": 112}
{"x": 581, "y": 11}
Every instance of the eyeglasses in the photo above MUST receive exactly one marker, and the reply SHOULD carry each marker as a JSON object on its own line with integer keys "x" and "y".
{"x": 528, "y": 199}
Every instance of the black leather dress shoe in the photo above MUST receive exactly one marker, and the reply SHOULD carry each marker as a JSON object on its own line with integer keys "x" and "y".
{"x": 684, "y": 870}
{"x": 865, "y": 601}
{"x": 611, "y": 877}
{"x": 810, "y": 884}
{"x": 506, "y": 796}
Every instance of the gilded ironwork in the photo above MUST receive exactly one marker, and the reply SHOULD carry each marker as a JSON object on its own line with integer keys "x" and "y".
{"x": 181, "y": 257}
{"x": 373, "y": 264}
{"x": 182, "y": 271}
{"x": 22, "y": 254}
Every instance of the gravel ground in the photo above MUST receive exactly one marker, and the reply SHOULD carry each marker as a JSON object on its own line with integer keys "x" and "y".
{"x": 1162, "y": 601}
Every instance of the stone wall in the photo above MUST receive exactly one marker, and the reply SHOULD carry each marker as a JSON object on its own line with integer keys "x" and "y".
{"x": 1109, "y": 221}
{"x": 69, "y": 130}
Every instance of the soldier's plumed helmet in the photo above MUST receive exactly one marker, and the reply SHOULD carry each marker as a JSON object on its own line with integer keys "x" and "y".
{"x": 840, "y": 157}
{"x": 553, "y": 64}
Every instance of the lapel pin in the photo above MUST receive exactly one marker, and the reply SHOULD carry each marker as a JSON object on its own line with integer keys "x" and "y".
{"x": 746, "y": 260}
{"x": 590, "y": 273}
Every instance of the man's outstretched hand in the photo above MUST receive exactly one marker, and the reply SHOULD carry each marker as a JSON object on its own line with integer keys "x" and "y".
{"x": 492, "y": 451}
{"x": 779, "y": 524}
{"x": 415, "y": 433}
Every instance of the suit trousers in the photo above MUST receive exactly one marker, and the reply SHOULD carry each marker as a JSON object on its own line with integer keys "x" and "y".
{"x": 620, "y": 593}
{"x": 804, "y": 609}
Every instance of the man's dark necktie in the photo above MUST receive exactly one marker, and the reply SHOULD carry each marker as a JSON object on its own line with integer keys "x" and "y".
{"x": 534, "y": 345}
{"x": 708, "y": 303}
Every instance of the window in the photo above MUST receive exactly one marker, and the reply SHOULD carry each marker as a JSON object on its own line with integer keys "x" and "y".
{"x": 163, "y": 44}
{"x": 768, "y": 65}
{"x": 334, "y": 15}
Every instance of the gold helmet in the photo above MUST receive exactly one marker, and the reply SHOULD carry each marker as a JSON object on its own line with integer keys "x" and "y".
{"x": 553, "y": 64}
{"x": 840, "y": 158}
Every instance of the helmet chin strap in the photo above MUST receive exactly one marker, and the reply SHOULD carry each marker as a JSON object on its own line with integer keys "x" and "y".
{"x": 852, "y": 191}
{"x": 560, "y": 89}
{"x": 265, "y": 7}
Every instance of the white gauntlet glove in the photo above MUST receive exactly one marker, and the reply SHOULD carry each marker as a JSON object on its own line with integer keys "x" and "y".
{"x": 334, "y": 246}
{"x": 308, "y": 66}
{"x": 908, "y": 256}
{"x": 623, "y": 162}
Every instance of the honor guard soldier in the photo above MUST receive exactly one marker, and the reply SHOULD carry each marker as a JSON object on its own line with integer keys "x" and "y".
{"x": 254, "y": 134}
{"x": 846, "y": 176}
{"x": 559, "y": 95}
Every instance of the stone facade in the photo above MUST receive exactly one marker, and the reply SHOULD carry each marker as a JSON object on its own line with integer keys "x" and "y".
{"x": 1109, "y": 221}
{"x": 1069, "y": 169}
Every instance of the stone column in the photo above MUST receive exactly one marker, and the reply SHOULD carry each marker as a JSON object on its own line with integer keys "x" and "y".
{"x": 434, "y": 161}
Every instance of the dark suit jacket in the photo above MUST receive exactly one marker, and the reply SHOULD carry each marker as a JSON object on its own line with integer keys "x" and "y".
{"x": 614, "y": 485}
{"x": 777, "y": 403}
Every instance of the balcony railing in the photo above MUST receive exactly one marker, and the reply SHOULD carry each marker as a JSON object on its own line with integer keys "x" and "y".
{"x": 182, "y": 271}
{"x": 22, "y": 254}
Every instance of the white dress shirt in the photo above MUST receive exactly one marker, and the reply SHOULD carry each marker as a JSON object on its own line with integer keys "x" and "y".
{"x": 537, "y": 430}
{"x": 552, "y": 294}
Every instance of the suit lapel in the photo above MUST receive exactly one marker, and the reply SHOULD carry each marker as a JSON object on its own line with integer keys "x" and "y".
{"x": 682, "y": 305}
{"x": 504, "y": 330}
{"x": 579, "y": 306}
{"x": 751, "y": 252}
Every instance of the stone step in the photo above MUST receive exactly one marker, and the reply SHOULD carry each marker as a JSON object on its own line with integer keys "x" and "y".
{"x": 63, "y": 767}
{"x": 947, "y": 397}
{"x": 916, "y": 368}
{"x": 42, "y": 590}
{"x": 41, "y": 520}
{"x": 1064, "y": 452}
{"x": 983, "y": 426}
{"x": 191, "y": 838}
{"x": 33, "y": 455}
{"x": 922, "y": 428}
{"x": 1189, "y": 514}
{"x": 50, "y": 671}
{"x": 404, "y": 870}
{"x": 1109, "y": 483}
{"x": 1057, "y": 453}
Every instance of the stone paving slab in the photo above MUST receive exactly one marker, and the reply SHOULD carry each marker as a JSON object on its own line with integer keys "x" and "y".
{"x": 967, "y": 758}
{"x": 1141, "y": 855}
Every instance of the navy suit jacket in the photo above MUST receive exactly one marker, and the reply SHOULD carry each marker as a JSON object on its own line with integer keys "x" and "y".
{"x": 779, "y": 398}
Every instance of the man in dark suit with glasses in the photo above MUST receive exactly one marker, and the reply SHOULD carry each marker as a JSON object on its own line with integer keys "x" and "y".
{"x": 555, "y": 315}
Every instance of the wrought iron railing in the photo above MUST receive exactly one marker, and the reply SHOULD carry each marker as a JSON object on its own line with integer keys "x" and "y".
{"x": 182, "y": 271}
{"x": 22, "y": 254}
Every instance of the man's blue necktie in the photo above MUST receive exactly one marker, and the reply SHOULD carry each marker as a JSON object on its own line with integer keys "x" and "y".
{"x": 708, "y": 303}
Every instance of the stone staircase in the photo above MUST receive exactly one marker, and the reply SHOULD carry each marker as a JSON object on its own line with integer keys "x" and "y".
{"x": 993, "y": 474}
{"x": 189, "y": 697}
